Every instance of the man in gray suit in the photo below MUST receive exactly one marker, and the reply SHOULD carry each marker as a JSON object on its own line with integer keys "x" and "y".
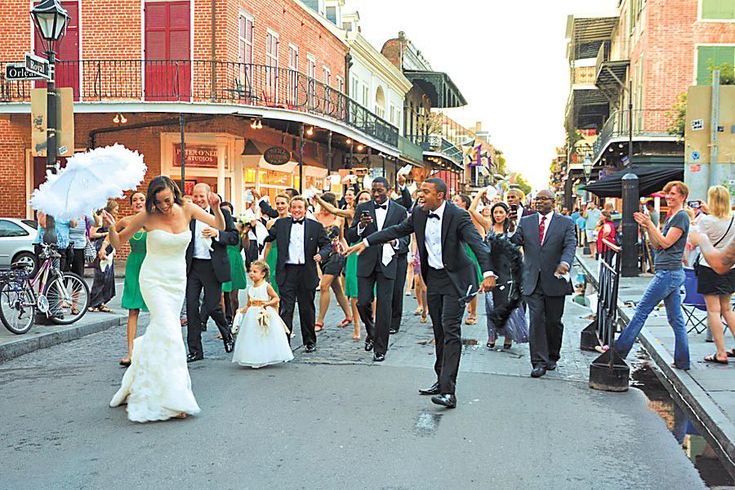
{"x": 548, "y": 239}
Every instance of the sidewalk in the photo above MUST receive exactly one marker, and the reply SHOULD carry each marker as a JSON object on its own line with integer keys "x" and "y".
{"x": 42, "y": 336}
{"x": 708, "y": 389}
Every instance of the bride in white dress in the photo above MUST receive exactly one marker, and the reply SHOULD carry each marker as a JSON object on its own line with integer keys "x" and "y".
{"x": 157, "y": 385}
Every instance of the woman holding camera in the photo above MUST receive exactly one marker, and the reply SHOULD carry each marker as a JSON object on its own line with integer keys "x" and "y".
{"x": 717, "y": 289}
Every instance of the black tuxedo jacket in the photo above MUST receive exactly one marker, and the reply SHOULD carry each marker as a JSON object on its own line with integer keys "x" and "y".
{"x": 541, "y": 260}
{"x": 372, "y": 257}
{"x": 315, "y": 241}
{"x": 457, "y": 229}
{"x": 220, "y": 260}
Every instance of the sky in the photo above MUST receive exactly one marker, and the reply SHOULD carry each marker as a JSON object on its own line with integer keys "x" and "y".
{"x": 508, "y": 58}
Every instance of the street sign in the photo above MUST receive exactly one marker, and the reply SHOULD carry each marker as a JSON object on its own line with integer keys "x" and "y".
{"x": 17, "y": 71}
{"x": 38, "y": 66}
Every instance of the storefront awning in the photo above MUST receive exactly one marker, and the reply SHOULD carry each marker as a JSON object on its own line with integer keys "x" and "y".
{"x": 651, "y": 178}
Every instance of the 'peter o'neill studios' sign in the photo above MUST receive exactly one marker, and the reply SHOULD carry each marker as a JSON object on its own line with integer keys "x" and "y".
{"x": 197, "y": 156}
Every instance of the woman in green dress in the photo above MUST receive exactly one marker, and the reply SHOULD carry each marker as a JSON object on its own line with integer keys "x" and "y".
{"x": 238, "y": 279}
{"x": 463, "y": 201}
{"x": 348, "y": 214}
{"x": 132, "y": 299}
{"x": 270, "y": 252}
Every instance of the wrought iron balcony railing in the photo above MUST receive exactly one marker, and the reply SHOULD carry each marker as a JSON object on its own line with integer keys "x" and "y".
{"x": 205, "y": 82}
{"x": 646, "y": 123}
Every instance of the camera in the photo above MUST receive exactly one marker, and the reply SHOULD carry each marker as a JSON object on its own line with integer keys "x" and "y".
{"x": 694, "y": 204}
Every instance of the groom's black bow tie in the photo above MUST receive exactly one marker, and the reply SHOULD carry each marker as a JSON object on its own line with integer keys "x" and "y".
{"x": 433, "y": 216}
{"x": 381, "y": 206}
{"x": 298, "y": 221}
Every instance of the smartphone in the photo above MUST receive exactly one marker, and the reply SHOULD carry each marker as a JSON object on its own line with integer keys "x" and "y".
{"x": 514, "y": 207}
{"x": 694, "y": 204}
{"x": 365, "y": 213}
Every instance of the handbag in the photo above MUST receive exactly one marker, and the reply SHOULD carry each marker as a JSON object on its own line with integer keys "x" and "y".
{"x": 90, "y": 253}
{"x": 697, "y": 266}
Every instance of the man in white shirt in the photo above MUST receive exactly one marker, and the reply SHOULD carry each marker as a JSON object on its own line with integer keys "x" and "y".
{"x": 208, "y": 266}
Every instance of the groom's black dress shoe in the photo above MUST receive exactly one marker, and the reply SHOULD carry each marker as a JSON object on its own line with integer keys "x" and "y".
{"x": 310, "y": 348}
{"x": 447, "y": 400}
{"x": 432, "y": 390}
{"x": 229, "y": 345}
{"x": 368, "y": 345}
{"x": 538, "y": 371}
{"x": 551, "y": 366}
{"x": 194, "y": 357}
{"x": 378, "y": 357}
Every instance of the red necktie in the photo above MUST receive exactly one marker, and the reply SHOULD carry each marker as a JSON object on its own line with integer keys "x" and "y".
{"x": 541, "y": 229}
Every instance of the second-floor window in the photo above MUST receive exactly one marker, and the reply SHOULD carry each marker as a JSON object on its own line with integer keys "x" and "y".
{"x": 245, "y": 39}
{"x": 311, "y": 78}
{"x": 327, "y": 76}
{"x": 271, "y": 61}
{"x": 293, "y": 73}
{"x": 709, "y": 57}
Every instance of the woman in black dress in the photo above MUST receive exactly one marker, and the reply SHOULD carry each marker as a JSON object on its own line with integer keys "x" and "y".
{"x": 103, "y": 287}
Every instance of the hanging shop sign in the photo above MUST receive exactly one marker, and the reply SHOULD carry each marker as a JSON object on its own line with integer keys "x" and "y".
{"x": 277, "y": 155}
{"x": 197, "y": 156}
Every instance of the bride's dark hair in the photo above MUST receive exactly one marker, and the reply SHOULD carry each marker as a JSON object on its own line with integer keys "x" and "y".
{"x": 157, "y": 185}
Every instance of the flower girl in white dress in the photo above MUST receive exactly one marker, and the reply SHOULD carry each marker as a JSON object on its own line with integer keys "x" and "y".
{"x": 262, "y": 335}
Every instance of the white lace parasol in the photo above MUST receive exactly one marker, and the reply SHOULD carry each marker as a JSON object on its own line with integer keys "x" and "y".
{"x": 88, "y": 181}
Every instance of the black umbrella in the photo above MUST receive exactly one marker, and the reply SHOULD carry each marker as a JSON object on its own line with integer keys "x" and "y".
{"x": 651, "y": 178}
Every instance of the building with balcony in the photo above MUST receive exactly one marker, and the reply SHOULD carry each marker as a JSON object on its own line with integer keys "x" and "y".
{"x": 423, "y": 126}
{"x": 655, "y": 50}
{"x": 245, "y": 76}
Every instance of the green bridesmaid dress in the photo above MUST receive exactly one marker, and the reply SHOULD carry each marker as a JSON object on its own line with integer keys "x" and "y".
{"x": 272, "y": 260}
{"x": 473, "y": 258}
{"x": 132, "y": 299}
{"x": 237, "y": 270}
{"x": 351, "y": 276}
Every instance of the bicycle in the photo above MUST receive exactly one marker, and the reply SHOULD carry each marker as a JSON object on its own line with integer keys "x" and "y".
{"x": 62, "y": 296}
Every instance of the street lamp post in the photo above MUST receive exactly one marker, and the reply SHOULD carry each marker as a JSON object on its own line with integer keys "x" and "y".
{"x": 587, "y": 167}
{"x": 50, "y": 19}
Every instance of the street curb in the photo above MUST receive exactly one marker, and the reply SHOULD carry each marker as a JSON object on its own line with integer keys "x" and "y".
{"x": 25, "y": 345}
{"x": 681, "y": 385}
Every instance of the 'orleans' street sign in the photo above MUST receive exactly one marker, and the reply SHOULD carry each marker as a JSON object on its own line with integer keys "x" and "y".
{"x": 17, "y": 71}
{"x": 38, "y": 66}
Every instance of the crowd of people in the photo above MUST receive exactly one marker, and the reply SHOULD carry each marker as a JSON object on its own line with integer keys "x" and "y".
{"x": 369, "y": 250}
{"x": 190, "y": 258}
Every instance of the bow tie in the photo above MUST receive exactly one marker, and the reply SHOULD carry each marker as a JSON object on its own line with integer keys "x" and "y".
{"x": 298, "y": 221}
{"x": 381, "y": 206}
{"x": 433, "y": 216}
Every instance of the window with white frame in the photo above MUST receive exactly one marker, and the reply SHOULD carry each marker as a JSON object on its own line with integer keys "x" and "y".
{"x": 311, "y": 81}
{"x": 717, "y": 10}
{"x": 245, "y": 50}
{"x": 271, "y": 62}
{"x": 340, "y": 84}
{"x": 327, "y": 76}
{"x": 293, "y": 73}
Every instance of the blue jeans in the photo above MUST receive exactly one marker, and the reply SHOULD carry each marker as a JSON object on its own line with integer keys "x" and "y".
{"x": 664, "y": 286}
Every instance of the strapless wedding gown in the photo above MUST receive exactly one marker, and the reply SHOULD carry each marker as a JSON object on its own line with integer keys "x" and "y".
{"x": 157, "y": 385}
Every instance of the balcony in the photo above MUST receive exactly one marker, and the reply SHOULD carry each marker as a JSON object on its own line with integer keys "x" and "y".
{"x": 648, "y": 125}
{"x": 205, "y": 82}
{"x": 410, "y": 150}
{"x": 436, "y": 146}
{"x": 610, "y": 75}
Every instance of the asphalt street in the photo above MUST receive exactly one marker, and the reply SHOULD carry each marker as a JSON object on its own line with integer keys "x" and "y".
{"x": 333, "y": 419}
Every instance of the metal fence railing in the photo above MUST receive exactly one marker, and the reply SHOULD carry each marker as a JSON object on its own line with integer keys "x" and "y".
{"x": 608, "y": 372}
{"x": 654, "y": 123}
{"x": 205, "y": 82}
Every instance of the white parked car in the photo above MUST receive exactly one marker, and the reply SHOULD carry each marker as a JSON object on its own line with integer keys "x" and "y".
{"x": 16, "y": 242}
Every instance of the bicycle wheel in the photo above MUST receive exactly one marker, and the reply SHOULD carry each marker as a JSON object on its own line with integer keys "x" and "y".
{"x": 68, "y": 299}
{"x": 17, "y": 306}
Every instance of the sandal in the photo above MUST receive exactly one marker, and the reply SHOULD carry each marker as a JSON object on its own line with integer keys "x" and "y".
{"x": 93, "y": 309}
{"x": 104, "y": 309}
{"x": 345, "y": 322}
{"x": 318, "y": 326}
{"x": 602, "y": 348}
{"x": 75, "y": 311}
{"x": 731, "y": 353}
{"x": 471, "y": 320}
{"x": 423, "y": 317}
{"x": 507, "y": 346}
{"x": 713, "y": 358}
{"x": 125, "y": 362}
{"x": 356, "y": 338}
{"x": 490, "y": 345}
{"x": 418, "y": 312}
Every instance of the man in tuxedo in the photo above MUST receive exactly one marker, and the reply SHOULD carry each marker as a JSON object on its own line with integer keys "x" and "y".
{"x": 207, "y": 267}
{"x": 401, "y": 259}
{"x": 377, "y": 265}
{"x": 441, "y": 229}
{"x": 302, "y": 243}
{"x": 548, "y": 241}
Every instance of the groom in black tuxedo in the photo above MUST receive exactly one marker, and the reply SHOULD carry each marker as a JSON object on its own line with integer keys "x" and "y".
{"x": 378, "y": 265}
{"x": 302, "y": 243}
{"x": 441, "y": 230}
{"x": 207, "y": 267}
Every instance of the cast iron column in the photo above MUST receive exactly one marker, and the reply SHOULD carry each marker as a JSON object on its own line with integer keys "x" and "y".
{"x": 631, "y": 200}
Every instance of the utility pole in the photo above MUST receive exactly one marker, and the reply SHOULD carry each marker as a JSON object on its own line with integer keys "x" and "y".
{"x": 714, "y": 167}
